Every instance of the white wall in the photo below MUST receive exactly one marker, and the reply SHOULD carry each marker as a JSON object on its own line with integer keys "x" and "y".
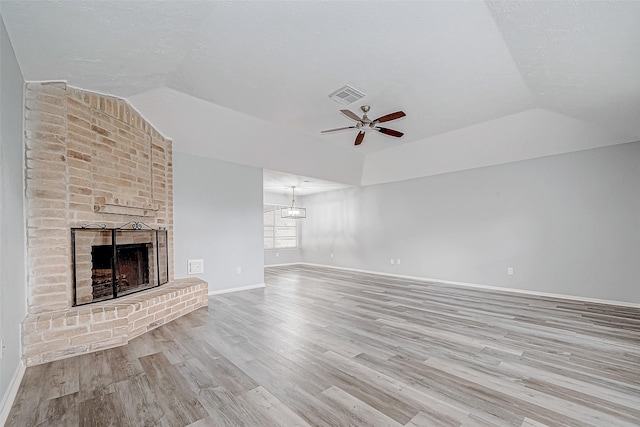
{"x": 218, "y": 217}
{"x": 568, "y": 224}
{"x": 12, "y": 226}
{"x": 282, "y": 256}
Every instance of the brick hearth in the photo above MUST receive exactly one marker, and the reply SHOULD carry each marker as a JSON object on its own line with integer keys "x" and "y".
{"x": 63, "y": 333}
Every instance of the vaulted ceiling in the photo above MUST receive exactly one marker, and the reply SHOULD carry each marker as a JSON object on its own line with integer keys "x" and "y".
{"x": 481, "y": 82}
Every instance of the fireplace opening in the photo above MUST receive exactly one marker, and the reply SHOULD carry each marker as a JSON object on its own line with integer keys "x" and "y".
{"x": 132, "y": 272}
{"x": 114, "y": 262}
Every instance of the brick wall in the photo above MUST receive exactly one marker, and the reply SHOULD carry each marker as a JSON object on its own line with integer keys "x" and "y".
{"x": 91, "y": 159}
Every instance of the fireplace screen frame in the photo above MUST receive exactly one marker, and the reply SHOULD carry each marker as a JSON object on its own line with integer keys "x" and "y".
{"x": 158, "y": 259}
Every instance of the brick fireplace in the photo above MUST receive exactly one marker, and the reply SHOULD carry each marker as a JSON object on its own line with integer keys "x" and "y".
{"x": 92, "y": 159}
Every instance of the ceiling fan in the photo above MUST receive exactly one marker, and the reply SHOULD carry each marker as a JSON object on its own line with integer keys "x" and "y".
{"x": 365, "y": 123}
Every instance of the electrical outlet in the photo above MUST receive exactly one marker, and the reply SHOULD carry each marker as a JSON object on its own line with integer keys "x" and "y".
{"x": 238, "y": 270}
{"x": 398, "y": 261}
{"x": 392, "y": 261}
{"x": 1, "y": 347}
{"x": 331, "y": 256}
{"x": 277, "y": 254}
{"x": 195, "y": 266}
{"x": 510, "y": 271}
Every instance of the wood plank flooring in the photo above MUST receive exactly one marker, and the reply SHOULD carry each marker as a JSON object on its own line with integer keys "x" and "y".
{"x": 326, "y": 347}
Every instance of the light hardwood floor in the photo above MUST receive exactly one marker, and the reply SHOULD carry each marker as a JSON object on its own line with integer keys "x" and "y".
{"x": 336, "y": 348}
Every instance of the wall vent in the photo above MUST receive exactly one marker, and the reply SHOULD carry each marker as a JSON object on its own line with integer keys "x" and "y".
{"x": 346, "y": 95}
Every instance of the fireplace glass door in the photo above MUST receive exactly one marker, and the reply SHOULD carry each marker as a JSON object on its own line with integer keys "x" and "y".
{"x": 110, "y": 263}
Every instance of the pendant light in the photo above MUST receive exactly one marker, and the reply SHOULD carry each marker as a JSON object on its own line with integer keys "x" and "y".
{"x": 294, "y": 211}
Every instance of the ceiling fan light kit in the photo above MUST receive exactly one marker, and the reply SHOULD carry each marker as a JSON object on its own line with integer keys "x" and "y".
{"x": 293, "y": 212}
{"x": 364, "y": 123}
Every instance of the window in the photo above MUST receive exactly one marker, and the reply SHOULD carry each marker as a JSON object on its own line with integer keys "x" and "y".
{"x": 279, "y": 232}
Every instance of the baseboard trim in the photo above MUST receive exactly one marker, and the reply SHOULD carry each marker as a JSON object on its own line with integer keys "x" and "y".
{"x": 478, "y": 286}
{"x": 10, "y": 394}
{"x": 241, "y": 288}
{"x": 282, "y": 265}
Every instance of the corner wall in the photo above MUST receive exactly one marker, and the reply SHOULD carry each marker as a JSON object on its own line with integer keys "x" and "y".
{"x": 218, "y": 218}
{"x": 13, "y": 305}
{"x": 568, "y": 224}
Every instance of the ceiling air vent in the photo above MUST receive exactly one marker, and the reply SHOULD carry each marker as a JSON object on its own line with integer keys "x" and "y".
{"x": 346, "y": 95}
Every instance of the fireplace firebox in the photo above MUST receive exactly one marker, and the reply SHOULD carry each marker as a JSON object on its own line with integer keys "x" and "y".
{"x": 133, "y": 269}
{"x": 112, "y": 262}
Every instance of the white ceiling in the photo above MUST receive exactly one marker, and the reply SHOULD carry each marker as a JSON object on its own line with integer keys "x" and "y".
{"x": 248, "y": 81}
{"x": 281, "y": 183}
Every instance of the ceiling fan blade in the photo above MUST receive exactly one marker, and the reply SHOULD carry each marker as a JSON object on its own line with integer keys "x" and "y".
{"x": 337, "y": 129}
{"x": 359, "y": 138}
{"x": 351, "y": 115}
{"x": 389, "y": 117}
{"x": 389, "y": 132}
